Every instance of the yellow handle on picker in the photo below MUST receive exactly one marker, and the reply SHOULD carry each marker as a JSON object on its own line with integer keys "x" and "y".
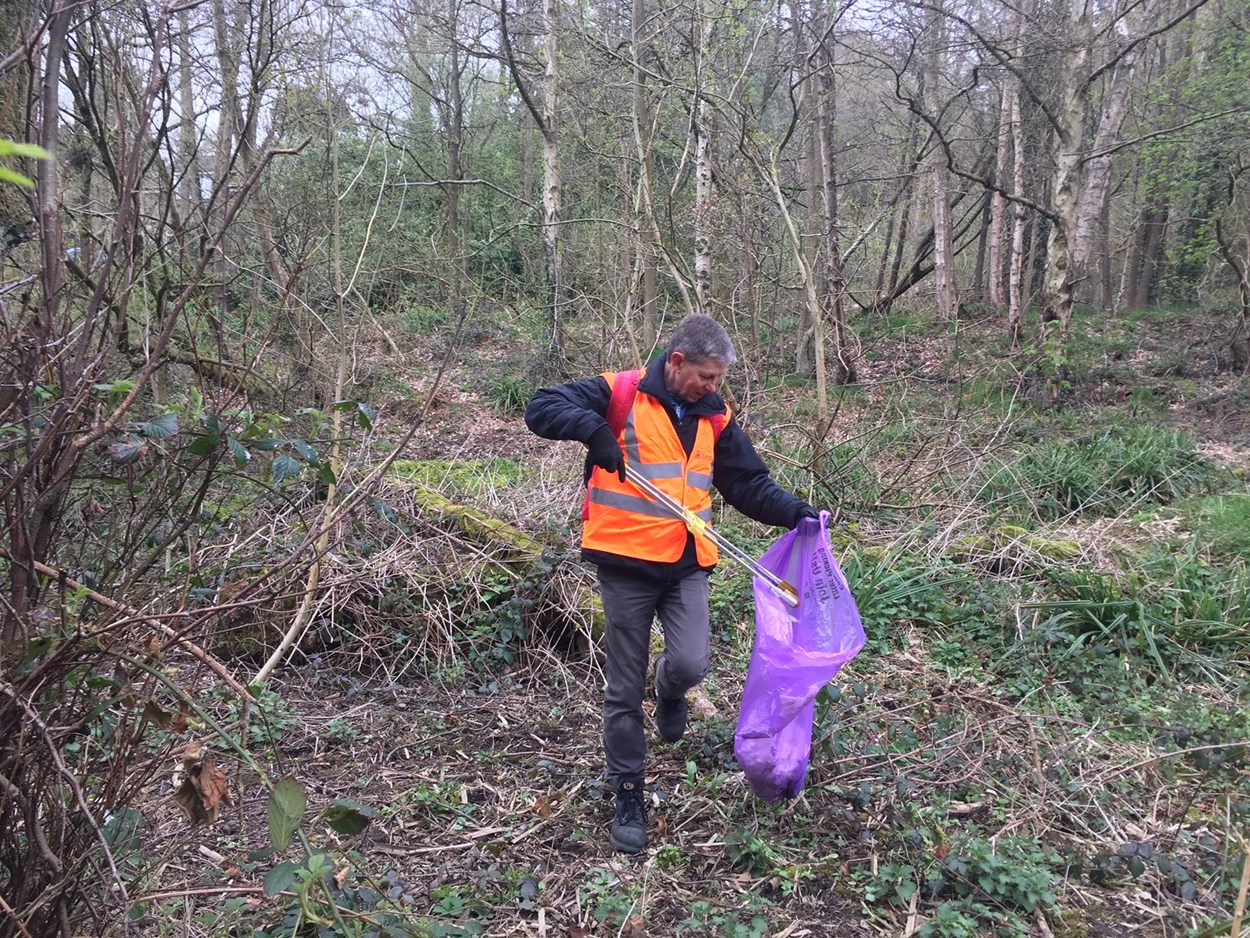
{"x": 700, "y": 528}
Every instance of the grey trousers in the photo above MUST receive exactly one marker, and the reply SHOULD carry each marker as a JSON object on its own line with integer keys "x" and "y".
{"x": 630, "y": 605}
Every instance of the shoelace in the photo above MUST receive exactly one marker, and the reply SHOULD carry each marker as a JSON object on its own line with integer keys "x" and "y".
{"x": 631, "y": 805}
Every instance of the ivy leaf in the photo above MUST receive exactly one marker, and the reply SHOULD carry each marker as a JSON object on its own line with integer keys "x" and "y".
{"x": 348, "y": 817}
{"x": 127, "y": 449}
{"x": 287, "y": 802}
{"x": 326, "y": 474}
{"x": 285, "y": 467}
{"x": 238, "y": 451}
{"x": 161, "y": 428}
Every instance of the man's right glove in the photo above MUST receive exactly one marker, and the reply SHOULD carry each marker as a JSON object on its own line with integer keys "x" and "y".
{"x": 807, "y": 511}
{"x": 605, "y": 452}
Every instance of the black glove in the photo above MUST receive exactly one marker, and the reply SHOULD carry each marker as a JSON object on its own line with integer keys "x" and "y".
{"x": 807, "y": 511}
{"x": 605, "y": 452}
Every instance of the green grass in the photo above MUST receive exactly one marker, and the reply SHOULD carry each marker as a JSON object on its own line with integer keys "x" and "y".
{"x": 1100, "y": 473}
{"x": 1219, "y": 523}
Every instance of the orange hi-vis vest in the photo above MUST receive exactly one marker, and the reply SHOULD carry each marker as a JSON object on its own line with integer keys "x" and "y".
{"x": 623, "y": 519}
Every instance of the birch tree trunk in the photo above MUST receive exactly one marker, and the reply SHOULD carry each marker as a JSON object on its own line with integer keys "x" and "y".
{"x": 1097, "y": 170}
{"x": 1058, "y": 282}
{"x": 644, "y": 224}
{"x": 1015, "y": 284}
{"x": 188, "y": 151}
{"x": 454, "y": 129}
{"x": 943, "y": 241}
{"x": 998, "y": 202}
{"x": 703, "y": 238}
{"x": 551, "y": 179}
{"x": 834, "y": 280}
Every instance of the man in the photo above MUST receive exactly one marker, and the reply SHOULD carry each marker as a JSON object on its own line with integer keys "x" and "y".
{"x": 679, "y": 433}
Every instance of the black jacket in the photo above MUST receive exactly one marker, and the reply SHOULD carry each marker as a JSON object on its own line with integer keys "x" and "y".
{"x": 574, "y": 411}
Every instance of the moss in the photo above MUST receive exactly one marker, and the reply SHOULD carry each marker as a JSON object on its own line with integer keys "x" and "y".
{"x": 1015, "y": 545}
{"x": 459, "y": 475}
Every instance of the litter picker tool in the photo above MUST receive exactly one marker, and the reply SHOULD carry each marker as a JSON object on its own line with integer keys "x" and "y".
{"x": 701, "y": 528}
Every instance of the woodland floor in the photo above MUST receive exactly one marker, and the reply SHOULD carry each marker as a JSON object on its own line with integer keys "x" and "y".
{"x": 491, "y": 815}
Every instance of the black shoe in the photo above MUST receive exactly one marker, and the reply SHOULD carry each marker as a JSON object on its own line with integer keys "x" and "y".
{"x": 629, "y": 830}
{"x": 670, "y": 717}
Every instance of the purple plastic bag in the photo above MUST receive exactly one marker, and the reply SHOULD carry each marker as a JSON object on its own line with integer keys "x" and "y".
{"x": 797, "y": 652}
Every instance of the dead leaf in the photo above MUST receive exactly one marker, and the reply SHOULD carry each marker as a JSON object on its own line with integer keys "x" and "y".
{"x": 204, "y": 788}
{"x": 152, "y": 644}
{"x": 156, "y": 714}
{"x": 542, "y": 807}
{"x": 191, "y": 752}
{"x": 577, "y": 931}
{"x": 214, "y": 785}
{"x": 941, "y": 851}
{"x": 661, "y": 824}
{"x": 179, "y": 723}
{"x": 340, "y": 877}
{"x": 635, "y": 927}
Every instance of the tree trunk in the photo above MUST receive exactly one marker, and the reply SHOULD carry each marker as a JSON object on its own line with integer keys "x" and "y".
{"x": 1097, "y": 170}
{"x": 1058, "y": 281}
{"x": 1015, "y": 284}
{"x": 998, "y": 204}
{"x": 644, "y": 225}
{"x": 455, "y": 173}
{"x": 891, "y": 259}
{"x": 551, "y": 180}
{"x": 831, "y": 250}
{"x": 701, "y": 125}
{"x": 943, "y": 243}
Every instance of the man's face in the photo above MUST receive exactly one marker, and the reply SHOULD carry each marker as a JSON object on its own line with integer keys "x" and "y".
{"x": 688, "y": 381}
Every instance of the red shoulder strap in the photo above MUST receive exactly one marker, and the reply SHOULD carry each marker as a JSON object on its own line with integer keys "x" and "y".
{"x": 624, "y": 390}
{"x": 718, "y": 424}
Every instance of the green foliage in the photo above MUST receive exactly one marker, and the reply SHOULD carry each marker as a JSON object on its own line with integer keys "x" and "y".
{"x": 9, "y": 148}
{"x": 707, "y": 919}
{"x": 268, "y": 721}
{"x": 509, "y": 394}
{"x": 1100, "y": 473}
{"x": 976, "y": 885}
{"x": 609, "y": 899}
{"x": 1220, "y": 523}
{"x": 1176, "y": 617}
{"x": 750, "y": 851}
{"x": 892, "y": 589}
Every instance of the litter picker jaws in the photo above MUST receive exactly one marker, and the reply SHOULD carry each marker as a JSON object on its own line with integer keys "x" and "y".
{"x": 701, "y": 528}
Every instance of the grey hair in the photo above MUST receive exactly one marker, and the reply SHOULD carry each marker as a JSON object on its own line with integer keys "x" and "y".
{"x": 700, "y": 337}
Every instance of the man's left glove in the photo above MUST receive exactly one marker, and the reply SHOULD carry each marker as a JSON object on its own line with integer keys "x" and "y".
{"x": 807, "y": 511}
{"x": 606, "y": 453}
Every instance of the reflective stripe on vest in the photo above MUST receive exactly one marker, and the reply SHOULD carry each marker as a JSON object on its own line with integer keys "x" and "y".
{"x": 622, "y": 518}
